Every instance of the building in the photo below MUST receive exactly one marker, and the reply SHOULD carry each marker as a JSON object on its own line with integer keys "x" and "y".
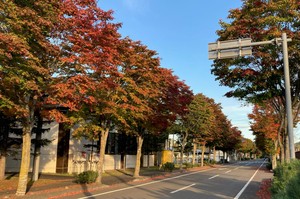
{"x": 66, "y": 154}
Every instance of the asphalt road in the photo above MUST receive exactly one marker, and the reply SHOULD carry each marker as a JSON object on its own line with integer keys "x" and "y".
{"x": 238, "y": 181}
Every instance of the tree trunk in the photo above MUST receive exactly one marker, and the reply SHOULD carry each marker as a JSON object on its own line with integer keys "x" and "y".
{"x": 273, "y": 161}
{"x": 4, "y": 130}
{"x": 103, "y": 140}
{"x": 36, "y": 157}
{"x": 282, "y": 151}
{"x": 2, "y": 166}
{"x": 202, "y": 154}
{"x": 194, "y": 152}
{"x": 37, "y": 150}
{"x": 139, "y": 140}
{"x": 280, "y": 142}
{"x": 25, "y": 162}
{"x": 185, "y": 135}
{"x": 215, "y": 154}
{"x": 274, "y": 156}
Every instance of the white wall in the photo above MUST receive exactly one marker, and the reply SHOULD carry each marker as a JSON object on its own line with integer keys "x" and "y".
{"x": 78, "y": 155}
{"x": 112, "y": 162}
{"x": 145, "y": 160}
{"x": 49, "y": 153}
{"x": 130, "y": 161}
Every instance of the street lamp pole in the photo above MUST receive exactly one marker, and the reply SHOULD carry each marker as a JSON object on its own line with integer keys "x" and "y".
{"x": 288, "y": 100}
{"x": 242, "y": 47}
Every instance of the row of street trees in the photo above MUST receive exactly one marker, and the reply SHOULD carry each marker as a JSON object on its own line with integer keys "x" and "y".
{"x": 206, "y": 124}
{"x": 259, "y": 79}
{"x": 64, "y": 60}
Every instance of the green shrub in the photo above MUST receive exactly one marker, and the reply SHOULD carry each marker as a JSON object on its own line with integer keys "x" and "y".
{"x": 212, "y": 162}
{"x": 269, "y": 165}
{"x": 293, "y": 187}
{"x": 87, "y": 177}
{"x": 196, "y": 165}
{"x": 188, "y": 165}
{"x": 169, "y": 166}
{"x": 286, "y": 179}
{"x": 209, "y": 162}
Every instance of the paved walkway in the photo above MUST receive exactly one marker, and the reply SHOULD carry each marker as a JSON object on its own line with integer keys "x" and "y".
{"x": 62, "y": 186}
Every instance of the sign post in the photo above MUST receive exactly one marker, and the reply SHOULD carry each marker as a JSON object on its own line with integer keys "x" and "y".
{"x": 243, "y": 47}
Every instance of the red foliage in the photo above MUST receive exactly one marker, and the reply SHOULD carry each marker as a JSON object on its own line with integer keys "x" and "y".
{"x": 265, "y": 120}
{"x": 264, "y": 189}
{"x": 88, "y": 56}
{"x": 175, "y": 98}
{"x": 248, "y": 72}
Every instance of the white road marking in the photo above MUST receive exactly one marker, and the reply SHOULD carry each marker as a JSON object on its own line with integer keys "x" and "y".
{"x": 228, "y": 171}
{"x": 183, "y": 188}
{"x": 236, "y": 168}
{"x": 246, "y": 185}
{"x": 141, "y": 185}
{"x": 213, "y": 177}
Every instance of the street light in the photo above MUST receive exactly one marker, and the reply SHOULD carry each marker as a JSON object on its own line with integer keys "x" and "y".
{"x": 242, "y": 47}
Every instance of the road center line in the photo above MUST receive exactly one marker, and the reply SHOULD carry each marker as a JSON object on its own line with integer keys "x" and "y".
{"x": 228, "y": 171}
{"x": 183, "y": 188}
{"x": 213, "y": 177}
{"x": 246, "y": 185}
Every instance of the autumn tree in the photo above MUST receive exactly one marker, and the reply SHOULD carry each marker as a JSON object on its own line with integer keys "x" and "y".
{"x": 173, "y": 106}
{"x": 230, "y": 139}
{"x": 87, "y": 82}
{"x": 26, "y": 54}
{"x": 247, "y": 147}
{"x": 266, "y": 127}
{"x": 260, "y": 77}
{"x": 221, "y": 125}
{"x": 174, "y": 100}
{"x": 197, "y": 123}
{"x": 201, "y": 120}
{"x": 140, "y": 69}
{"x": 152, "y": 96}
{"x": 183, "y": 133}
{"x": 140, "y": 81}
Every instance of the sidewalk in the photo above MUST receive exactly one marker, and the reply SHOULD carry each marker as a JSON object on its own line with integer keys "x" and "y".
{"x": 62, "y": 186}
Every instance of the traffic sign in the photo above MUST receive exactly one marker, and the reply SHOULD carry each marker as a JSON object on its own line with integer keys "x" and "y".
{"x": 229, "y": 48}
{"x": 230, "y": 53}
{"x": 229, "y": 44}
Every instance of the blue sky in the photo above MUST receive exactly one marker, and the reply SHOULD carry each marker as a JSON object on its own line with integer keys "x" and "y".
{"x": 180, "y": 30}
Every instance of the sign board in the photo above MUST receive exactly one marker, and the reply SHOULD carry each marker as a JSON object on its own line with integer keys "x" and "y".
{"x": 229, "y": 49}
{"x": 229, "y": 44}
{"x": 230, "y": 53}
